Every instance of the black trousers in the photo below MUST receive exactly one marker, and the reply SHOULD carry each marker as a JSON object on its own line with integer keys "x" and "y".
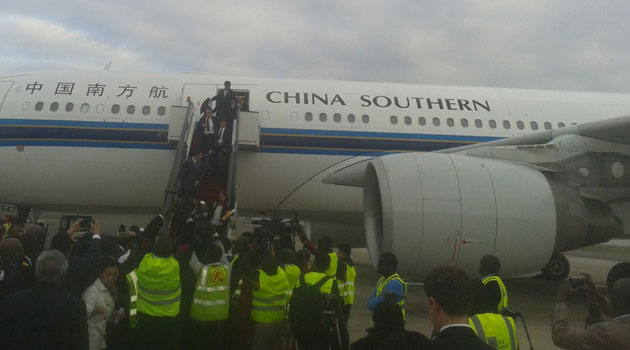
{"x": 161, "y": 333}
{"x": 206, "y": 335}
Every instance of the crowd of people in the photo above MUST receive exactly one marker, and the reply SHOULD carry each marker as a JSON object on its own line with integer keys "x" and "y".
{"x": 138, "y": 289}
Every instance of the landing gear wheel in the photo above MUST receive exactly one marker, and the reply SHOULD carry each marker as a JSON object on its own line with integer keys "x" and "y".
{"x": 557, "y": 269}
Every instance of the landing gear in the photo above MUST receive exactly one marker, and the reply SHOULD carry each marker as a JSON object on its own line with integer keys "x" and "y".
{"x": 557, "y": 269}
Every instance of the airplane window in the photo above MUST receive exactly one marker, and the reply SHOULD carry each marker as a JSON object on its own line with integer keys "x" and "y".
{"x": 322, "y": 117}
{"x": 492, "y": 123}
{"x": 146, "y": 110}
{"x": 115, "y": 109}
{"x": 69, "y": 106}
{"x": 547, "y": 126}
{"x": 534, "y": 125}
{"x": 393, "y": 119}
{"x": 520, "y": 125}
{"x": 308, "y": 116}
{"x": 478, "y": 123}
{"x": 422, "y": 121}
{"x": 506, "y": 124}
{"x": 39, "y": 106}
{"x": 26, "y": 106}
{"x": 408, "y": 120}
{"x": 54, "y": 106}
{"x": 561, "y": 125}
{"x": 365, "y": 118}
{"x": 85, "y": 108}
{"x": 100, "y": 108}
{"x": 450, "y": 122}
{"x": 351, "y": 118}
{"x": 464, "y": 122}
{"x": 337, "y": 117}
{"x": 161, "y": 110}
{"x": 131, "y": 109}
{"x": 436, "y": 121}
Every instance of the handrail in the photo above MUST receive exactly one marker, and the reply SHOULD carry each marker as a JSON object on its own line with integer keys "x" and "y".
{"x": 233, "y": 165}
{"x": 180, "y": 156}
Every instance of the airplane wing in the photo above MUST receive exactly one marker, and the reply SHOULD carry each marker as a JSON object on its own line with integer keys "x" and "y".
{"x": 594, "y": 157}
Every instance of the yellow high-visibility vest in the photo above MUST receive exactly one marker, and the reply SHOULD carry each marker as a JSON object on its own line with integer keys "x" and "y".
{"x": 382, "y": 282}
{"x": 212, "y": 294}
{"x": 503, "y": 303}
{"x": 312, "y": 278}
{"x": 132, "y": 279}
{"x": 159, "y": 286}
{"x": 346, "y": 289}
{"x": 270, "y": 300}
{"x": 293, "y": 274}
{"x": 332, "y": 270}
{"x": 495, "y": 330}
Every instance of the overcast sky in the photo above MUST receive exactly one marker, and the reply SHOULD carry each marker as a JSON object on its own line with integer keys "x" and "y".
{"x": 563, "y": 45}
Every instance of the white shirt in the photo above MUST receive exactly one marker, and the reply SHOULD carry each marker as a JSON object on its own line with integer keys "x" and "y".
{"x": 216, "y": 218}
{"x": 455, "y": 325}
{"x": 220, "y": 139}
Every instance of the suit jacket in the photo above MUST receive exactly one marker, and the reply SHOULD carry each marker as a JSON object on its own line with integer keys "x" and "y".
{"x": 45, "y": 317}
{"x": 606, "y": 335}
{"x": 227, "y": 139}
{"x": 455, "y": 338}
{"x": 224, "y": 103}
{"x": 191, "y": 172}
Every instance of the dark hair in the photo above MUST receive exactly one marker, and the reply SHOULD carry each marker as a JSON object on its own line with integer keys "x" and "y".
{"x": 286, "y": 256}
{"x": 302, "y": 256}
{"x": 163, "y": 247}
{"x": 322, "y": 261}
{"x": 213, "y": 253}
{"x": 325, "y": 242}
{"x": 105, "y": 262}
{"x": 620, "y": 270}
{"x": 389, "y": 259}
{"x": 62, "y": 242}
{"x": 345, "y": 249}
{"x": 227, "y": 82}
{"x": 451, "y": 288}
{"x": 491, "y": 263}
{"x": 121, "y": 228}
{"x": 197, "y": 151}
{"x": 388, "y": 314}
{"x": 270, "y": 265}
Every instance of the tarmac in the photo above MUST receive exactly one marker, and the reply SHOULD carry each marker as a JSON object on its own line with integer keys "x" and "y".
{"x": 533, "y": 297}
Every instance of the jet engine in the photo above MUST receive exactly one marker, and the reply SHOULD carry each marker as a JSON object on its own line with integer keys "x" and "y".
{"x": 432, "y": 209}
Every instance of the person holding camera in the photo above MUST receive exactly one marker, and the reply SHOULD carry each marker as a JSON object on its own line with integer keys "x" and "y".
{"x": 614, "y": 334}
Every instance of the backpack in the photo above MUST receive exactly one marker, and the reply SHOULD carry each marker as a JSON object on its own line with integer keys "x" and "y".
{"x": 306, "y": 308}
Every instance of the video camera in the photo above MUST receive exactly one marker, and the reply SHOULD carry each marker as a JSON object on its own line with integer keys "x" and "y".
{"x": 276, "y": 234}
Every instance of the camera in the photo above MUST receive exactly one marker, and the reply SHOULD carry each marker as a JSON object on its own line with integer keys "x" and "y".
{"x": 276, "y": 234}
{"x": 577, "y": 283}
{"x": 86, "y": 225}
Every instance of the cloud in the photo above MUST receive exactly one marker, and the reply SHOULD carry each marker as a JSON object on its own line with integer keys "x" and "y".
{"x": 33, "y": 40}
{"x": 535, "y": 44}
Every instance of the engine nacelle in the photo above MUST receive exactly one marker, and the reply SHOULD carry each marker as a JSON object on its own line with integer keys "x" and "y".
{"x": 432, "y": 209}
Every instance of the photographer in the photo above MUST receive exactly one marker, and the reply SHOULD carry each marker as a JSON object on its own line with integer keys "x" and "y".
{"x": 614, "y": 334}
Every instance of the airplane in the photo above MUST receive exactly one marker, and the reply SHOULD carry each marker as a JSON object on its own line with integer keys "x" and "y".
{"x": 435, "y": 174}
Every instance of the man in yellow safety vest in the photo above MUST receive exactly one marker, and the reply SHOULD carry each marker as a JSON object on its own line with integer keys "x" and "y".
{"x": 210, "y": 306}
{"x": 389, "y": 285}
{"x": 489, "y": 267}
{"x": 346, "y": 275}
{"x": 269, "y": 303}
{"x": 496, "y": 330}
{"x": 159, "y": 293}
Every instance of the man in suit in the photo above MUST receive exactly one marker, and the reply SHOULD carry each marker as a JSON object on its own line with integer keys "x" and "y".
{"x": 45, "y": 317}
{"x": 221, "y": 149}
{"x": 205, "y": 130}
{"x": 192, "y": 172}
{"x": 450, "y": 297}
{"x": 226, "y": 103}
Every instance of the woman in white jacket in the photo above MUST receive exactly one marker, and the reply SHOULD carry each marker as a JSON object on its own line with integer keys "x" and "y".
{"x": 100, "y": 300}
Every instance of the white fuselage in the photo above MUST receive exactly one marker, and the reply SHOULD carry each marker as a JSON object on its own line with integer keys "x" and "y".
{"x": 109, "y": 152}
